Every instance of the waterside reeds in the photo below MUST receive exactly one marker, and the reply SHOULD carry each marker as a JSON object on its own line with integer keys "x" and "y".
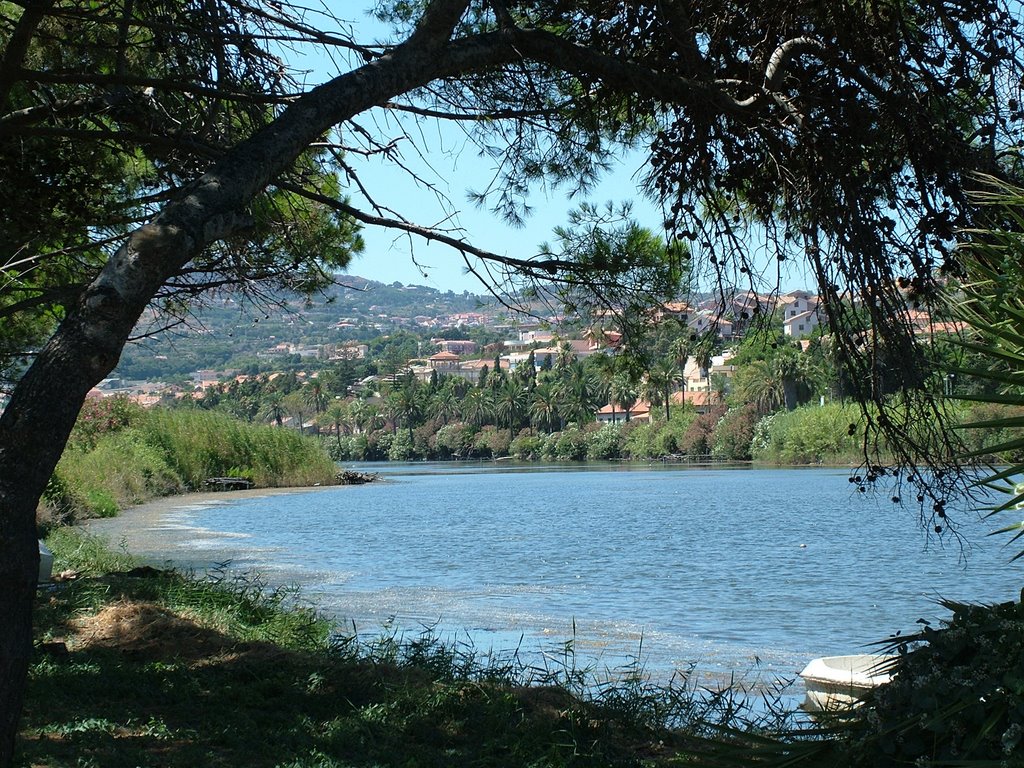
{"x": 136, "y": 455}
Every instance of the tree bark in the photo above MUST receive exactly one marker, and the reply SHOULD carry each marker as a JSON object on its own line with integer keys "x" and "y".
{"x": 44, "y": 406}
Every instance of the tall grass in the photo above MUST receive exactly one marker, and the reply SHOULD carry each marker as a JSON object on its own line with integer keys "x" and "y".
{"x": 202, "y": 444}
{"x": 163, "y": 452}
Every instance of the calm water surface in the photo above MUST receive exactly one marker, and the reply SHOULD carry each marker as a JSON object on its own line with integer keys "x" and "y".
{"x": 746, "y": 571}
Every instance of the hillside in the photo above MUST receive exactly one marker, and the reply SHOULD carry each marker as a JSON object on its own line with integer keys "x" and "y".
{"x": 234, "y": 331}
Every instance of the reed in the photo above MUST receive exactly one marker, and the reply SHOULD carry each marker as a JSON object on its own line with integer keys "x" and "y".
{"x": 163, "y": 452}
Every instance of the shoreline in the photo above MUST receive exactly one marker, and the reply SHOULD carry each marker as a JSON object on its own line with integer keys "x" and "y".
{"x": 148, "y": 528}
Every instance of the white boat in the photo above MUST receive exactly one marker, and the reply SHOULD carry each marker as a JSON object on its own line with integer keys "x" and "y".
{"x": 45, "y": 563}
{"x": 839, "y": 682}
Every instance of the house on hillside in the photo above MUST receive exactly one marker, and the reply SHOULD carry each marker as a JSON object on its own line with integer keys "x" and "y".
{"x": 600, "y": 340}
{"x": 456, "y": 346}
{"x": 801, "y": 325}
{"x": 704, "y": 322}
{"x": 444, "y": 362}
{"x": 673, "y": 310}
{"x": 796, "y": 303}
{"x": 448, "y": 364}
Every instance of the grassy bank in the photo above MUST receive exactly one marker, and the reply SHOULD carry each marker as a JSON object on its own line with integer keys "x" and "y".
{"x": 120, "y": 455}
{"x": 139, "y": 667}
{"x": 147, "y": 668}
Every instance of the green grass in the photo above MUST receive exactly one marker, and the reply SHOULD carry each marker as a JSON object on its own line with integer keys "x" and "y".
{"x": 162, "y": 452}
{"x": 166, "y": 670}
{"x": 141, "y": 667}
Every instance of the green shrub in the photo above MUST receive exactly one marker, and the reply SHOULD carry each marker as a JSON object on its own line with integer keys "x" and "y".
{"x": 101, "y": 416}
{"x": 697, "y": 440}
{"x": 527, "y": 447}
{"x": 347, "y": 448}
{"x": 401, "y": 447}
{"x": 454, "y": 440}
{"x": 641, "y": 442}
{"x": 570, "y": 445}
{"x": 491, "y": 442}
{"x": 99, "y": 503}
{"x": 733, "y": 434}
{"x": 605, "y": 443}
{"x": 811, "y": 434}
{"x": 982, "y": 438}
{"x": 60, "y": 503}
{"x": 957, "y": 697}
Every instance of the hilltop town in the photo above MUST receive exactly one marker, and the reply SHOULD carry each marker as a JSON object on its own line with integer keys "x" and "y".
{"x": 381, "y": 331}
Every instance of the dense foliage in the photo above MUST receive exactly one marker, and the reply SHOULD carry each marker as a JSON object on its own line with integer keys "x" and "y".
{"x": 957, "y": 697}
{"x": 121, "y": 455}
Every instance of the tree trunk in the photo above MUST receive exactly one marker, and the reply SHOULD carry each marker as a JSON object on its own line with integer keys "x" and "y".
{"x": 36, "y": 424}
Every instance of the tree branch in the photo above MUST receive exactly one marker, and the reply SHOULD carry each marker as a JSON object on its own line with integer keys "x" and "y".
{"x": 17, "y": 46}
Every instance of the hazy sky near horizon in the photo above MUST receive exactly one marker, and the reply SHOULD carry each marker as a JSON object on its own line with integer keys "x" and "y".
{"x": 446, "y": 158}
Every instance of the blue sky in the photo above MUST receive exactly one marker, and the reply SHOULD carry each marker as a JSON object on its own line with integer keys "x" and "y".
{"x": 444, "y": 157}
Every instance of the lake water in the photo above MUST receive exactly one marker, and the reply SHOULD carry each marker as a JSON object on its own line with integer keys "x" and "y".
{"x": 740, "y": 571}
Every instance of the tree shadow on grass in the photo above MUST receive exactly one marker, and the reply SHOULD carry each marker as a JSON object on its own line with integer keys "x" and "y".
{"x": 136, "y": 684}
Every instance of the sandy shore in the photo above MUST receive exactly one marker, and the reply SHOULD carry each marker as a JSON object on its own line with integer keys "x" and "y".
{"x": 162, "y": 505}
{"x": 156, "y": 532}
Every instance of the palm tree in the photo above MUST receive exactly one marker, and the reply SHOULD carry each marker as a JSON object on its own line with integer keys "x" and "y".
{"x": 578, "y": 395}
{"x": 406, "y": 403}
{"x": 565, "y": 358}
{"x": 510, "y": 404}
{"x": 760, "y": 384}
{"x": 273, "y": 408}
{"x": 623, "y": 391}
{"x": 544, "y": 406}
{"x": 315, "y": 396}
{"x": 477, "y": 407}
{"x": 358, "y": 411}
{"x": 295, "y": 404}
{"x": 703, "y": 358}
{"x": 444, "y": 405}
{"x": 658, "y": 383}
{"x": 607, "y": 369}
{"x": 679, "y": 351}
{"x": 335, "y": 415}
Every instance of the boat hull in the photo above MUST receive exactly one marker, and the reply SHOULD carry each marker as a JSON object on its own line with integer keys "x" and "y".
{"x": 835, "y": 683}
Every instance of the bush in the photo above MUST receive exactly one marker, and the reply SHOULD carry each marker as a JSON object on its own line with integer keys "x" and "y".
{"x": 604, "y": 444}
{"x": 100, "y": 416}
{"x": 811, "y": 434}
{"x": 401, "y": 447}
{"x": 641, "y": 442}
{"x": 983, "y": 438}
{"x": 733, "y": 434}
{"x": 454, "y": 441}
{"x": 346, "y": 447}
{"x": 957, "y": 698}
{"x": 491, "y": 442}
{"x": 697, "y": 440}
{"x": 527, "y": 447}
{"x": 570, "y": 445}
